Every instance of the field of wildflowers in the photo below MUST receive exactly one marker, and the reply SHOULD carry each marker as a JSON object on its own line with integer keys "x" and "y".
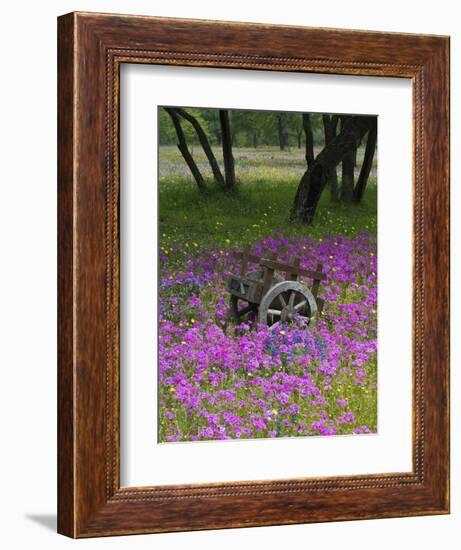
{"x": 219, "y": 380}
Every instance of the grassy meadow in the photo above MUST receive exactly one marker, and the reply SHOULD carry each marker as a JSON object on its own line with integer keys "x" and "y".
{"x": 267, "y": 182}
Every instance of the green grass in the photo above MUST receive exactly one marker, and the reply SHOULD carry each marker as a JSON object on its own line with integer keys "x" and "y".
{"x": 261, "y": 203}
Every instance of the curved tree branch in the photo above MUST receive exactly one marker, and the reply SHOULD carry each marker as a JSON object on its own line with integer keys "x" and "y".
{"x": 182, "y": 146}
{"x": 217, "y": 174}
{"x": 309, "y": 138}
{"x": 367, "y": 163}
{"x": 315, "y": 178}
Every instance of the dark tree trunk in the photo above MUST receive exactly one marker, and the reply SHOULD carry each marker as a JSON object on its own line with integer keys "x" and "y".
{"x": 255, "y": 140}
{"x": 348, "y": 169}
{"x": 204, "y": 143}
{"x": 334, "y": 176}
{"x": 309, "y": 139}
{"x": 182, "y": 146}
{"x": 330, "y": 125}
{"x": 367, "y": 162}
{"x": 228, "y": 157}
{"x": 281, "y": 130}
{"x": 315, "y": 178}
{"x": 347, "y": 176}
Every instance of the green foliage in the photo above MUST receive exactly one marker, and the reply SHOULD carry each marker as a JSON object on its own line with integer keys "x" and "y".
{"x": 167, "y": 134}
{"x": 249, "y": 128}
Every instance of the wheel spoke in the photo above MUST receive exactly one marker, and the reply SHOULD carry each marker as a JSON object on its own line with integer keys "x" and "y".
{"x": 283, "y": 302}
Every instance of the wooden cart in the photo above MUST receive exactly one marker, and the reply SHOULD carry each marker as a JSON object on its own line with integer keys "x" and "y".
{"x": 263, "y": 295}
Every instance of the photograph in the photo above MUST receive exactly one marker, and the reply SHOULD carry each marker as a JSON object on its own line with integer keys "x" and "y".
{"x": 267, "y": 274}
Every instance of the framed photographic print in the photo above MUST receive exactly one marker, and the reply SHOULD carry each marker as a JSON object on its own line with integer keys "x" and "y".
{"x": 253, "y": 275}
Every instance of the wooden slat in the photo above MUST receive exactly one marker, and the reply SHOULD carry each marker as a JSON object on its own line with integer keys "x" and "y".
{"x": 293, "y": 262}
{"x": 320, "y": 304}
{"x": 316, "y": 285}
{"x": 253, "y": 258}
{"x": 268, "y": 272}
{"x": 269, "y": 262}
{"x": 245, "y": 256}
{"x": 300, "y": 271}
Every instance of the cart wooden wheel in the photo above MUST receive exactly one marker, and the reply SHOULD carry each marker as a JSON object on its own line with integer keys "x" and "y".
{"x": 284, "y": 302}
{"x": 240, "y": 310}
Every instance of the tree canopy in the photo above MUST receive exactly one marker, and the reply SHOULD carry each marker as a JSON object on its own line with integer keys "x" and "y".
{"x": 249, "y": 128}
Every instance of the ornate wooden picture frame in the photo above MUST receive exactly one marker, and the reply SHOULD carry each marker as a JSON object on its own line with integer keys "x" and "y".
{"x": 92, "y": 48}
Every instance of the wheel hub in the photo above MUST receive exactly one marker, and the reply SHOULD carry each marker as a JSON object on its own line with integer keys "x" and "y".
{"x": 288, "y": 314}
